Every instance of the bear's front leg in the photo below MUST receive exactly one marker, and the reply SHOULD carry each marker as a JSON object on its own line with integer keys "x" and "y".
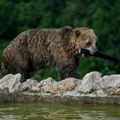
{"x": 69, "y": 71}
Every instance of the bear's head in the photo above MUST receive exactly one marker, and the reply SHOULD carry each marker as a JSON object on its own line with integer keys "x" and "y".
{"x": 84, "y": 38}
{"x": 75, "y": 39}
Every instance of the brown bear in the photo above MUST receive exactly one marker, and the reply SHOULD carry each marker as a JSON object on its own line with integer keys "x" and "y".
{"x": 36, "y": 49}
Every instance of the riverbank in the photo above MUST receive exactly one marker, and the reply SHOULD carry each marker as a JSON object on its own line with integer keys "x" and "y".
{"x": 57, "y": 99}
{"x": 92, "y": 89}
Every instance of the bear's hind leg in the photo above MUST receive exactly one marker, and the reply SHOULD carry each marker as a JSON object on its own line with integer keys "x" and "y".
{"x": 19, "y": 62}
{"x": 23, "y": 70}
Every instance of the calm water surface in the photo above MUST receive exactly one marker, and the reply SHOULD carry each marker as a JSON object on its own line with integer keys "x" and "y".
{"x": 39, "y": 111}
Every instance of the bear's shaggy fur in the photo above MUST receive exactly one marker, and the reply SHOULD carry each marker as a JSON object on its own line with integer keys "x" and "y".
{"x": 39, "y": 48}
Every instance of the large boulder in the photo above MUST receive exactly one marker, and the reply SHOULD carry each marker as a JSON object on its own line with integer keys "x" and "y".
{"x": 89, "y": 82}
{"x": 12, "y": 82}
{"x": 110, "y": 84}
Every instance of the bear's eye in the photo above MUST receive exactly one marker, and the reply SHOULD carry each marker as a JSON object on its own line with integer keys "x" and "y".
{"x": 88, "y": 44}
{"x": 78, "y": 33}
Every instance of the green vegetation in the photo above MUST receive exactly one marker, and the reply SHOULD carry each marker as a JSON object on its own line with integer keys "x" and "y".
{"x": 101, "y": 15}
{"x": 3, "y": 44}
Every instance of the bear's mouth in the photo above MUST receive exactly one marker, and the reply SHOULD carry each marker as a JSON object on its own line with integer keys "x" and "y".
{"x": 87, "y": 56}
{"x": 85, "y": 53}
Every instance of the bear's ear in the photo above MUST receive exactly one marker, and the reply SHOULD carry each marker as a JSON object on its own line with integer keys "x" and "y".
{"x": 66, "y": 32}
{"x": 77, "y": 32}
{"x": 67, "y": 28}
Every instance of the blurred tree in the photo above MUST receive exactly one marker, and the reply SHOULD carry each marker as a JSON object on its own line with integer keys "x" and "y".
{"x": 100, "y": 15}
{"x": 29, "y": 15}
{"x": 7, "y": 19}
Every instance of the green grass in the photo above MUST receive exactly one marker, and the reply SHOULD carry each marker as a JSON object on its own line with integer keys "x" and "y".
{"x": 45, "y": 73}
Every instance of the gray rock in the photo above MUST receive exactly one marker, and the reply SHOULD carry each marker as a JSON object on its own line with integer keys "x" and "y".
{"x": 93, "y": 86}
{"x": 116, "y": 92}
{"x": 30, "y": 85}
{"x": 74, "y": 92}
{"x": 34, "y": 85}
{"x": 101, "y": 93}
{"x": 61, "y": 87}
{"x": 12, "y": 82}
{"x": 89, "y": 82}
{"x": 110, "y": 84}
{"x": 47, "y": 81}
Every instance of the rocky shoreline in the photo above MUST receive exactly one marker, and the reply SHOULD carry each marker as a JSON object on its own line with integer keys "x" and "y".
{"x": 92, "y": 89}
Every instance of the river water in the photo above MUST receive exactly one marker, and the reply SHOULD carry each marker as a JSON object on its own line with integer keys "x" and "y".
{"x": 37, "y": 111}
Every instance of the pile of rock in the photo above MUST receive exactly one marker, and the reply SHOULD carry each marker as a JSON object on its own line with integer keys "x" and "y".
{"x": 93, "y": 84}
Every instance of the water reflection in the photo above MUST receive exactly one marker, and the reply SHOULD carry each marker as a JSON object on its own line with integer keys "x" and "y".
{"x": 58, "y": 112}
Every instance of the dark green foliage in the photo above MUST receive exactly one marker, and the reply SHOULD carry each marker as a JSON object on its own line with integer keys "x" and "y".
{"x": 3, "y": 44}
{"x": 45, "y": 73}
{"x": 101, "y": 15}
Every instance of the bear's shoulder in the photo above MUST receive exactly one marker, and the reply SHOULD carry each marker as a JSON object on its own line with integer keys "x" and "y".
{"x": 65, "y": 32}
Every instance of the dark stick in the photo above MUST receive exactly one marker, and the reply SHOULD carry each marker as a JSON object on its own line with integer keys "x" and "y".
{"x": 100, "y": 55}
